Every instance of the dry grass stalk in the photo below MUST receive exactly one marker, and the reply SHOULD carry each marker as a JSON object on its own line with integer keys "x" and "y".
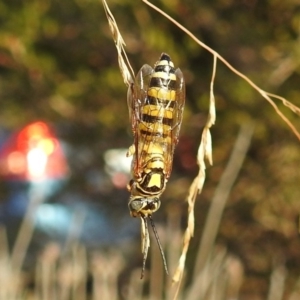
{"x": 36, "y": 197}
{"x": 268, "y": 96}
{"x": 125, "y": 67}
{"x": 235, "y": 270}
{"x": 204, "y": 154}
{"x": 10, "y": 286}
{"x": 218, "y": 202}
{"x": 222, "y": 193}
{"x": 45, "y": 273}
{"x": 135, "y": 287}
{"x": 277, "y": 283}
{"x": 220, "y": 279}
{"x": 65, "y": 278}
{"x": 80, "y": 267}
{"x": 295, "y": 294}
{"x": 203, "y": 284}
{"x": 173, "y": 245}
{"x": 106, "y": 269}
{"x": 4, "y": 249}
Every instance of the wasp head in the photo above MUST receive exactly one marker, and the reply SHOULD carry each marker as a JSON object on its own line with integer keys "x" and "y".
{"x": 142, "y": 206}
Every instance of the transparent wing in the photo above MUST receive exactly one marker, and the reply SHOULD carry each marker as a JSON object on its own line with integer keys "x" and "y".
{"x": 137, "y": 93}
{"x": 136, "y": 97}
{"x": 177, "y": 114}
{"x": 178, "y": 108}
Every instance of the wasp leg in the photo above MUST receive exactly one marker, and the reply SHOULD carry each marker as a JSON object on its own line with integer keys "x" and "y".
{"x": 131, "y": 150}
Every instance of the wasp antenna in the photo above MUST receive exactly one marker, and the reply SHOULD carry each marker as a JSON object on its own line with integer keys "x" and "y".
{"x": 145, "y": 243}
{"x": 159, "y": 245}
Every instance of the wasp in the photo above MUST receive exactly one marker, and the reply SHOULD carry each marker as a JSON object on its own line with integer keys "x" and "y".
{"x": 156, "y": 102}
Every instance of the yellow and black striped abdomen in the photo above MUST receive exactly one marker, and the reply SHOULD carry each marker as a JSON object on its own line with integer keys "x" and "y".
{"x": 157, "y": 111}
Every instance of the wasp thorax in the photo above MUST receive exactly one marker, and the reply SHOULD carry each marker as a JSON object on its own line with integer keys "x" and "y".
{"x": 143, "y": 207}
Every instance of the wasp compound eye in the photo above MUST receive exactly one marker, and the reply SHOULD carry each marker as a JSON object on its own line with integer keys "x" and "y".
{"x": 135, "y": 206}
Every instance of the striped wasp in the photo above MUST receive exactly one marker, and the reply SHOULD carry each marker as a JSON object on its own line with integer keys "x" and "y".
{"x": 156, "y": 102}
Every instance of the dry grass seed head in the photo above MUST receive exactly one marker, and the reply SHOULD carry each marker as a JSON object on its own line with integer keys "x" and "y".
{"x": 125, "y": 67}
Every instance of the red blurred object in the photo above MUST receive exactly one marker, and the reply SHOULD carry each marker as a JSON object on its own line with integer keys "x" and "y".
{"x": 32, "y": 154}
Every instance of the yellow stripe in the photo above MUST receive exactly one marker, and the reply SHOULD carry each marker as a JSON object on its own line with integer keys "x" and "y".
{"x": 155, "y": 111}
{"x": 155, "y": 164}
{"x": 148, "y": 109}
{"x": 165, "y": 63}
{"x": 162, "y": 93}
{"x": 155, "y": 127}
{"x": 164, "y": 75}
{"x": 153, "y": 149}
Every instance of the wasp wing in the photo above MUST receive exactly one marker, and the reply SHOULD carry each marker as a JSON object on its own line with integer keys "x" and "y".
{"x": 176, "y": 114}
{"x": 136, "y": 99}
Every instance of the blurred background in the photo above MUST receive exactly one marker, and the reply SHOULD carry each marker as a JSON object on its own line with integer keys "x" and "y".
{"x": 65, "y": 228}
